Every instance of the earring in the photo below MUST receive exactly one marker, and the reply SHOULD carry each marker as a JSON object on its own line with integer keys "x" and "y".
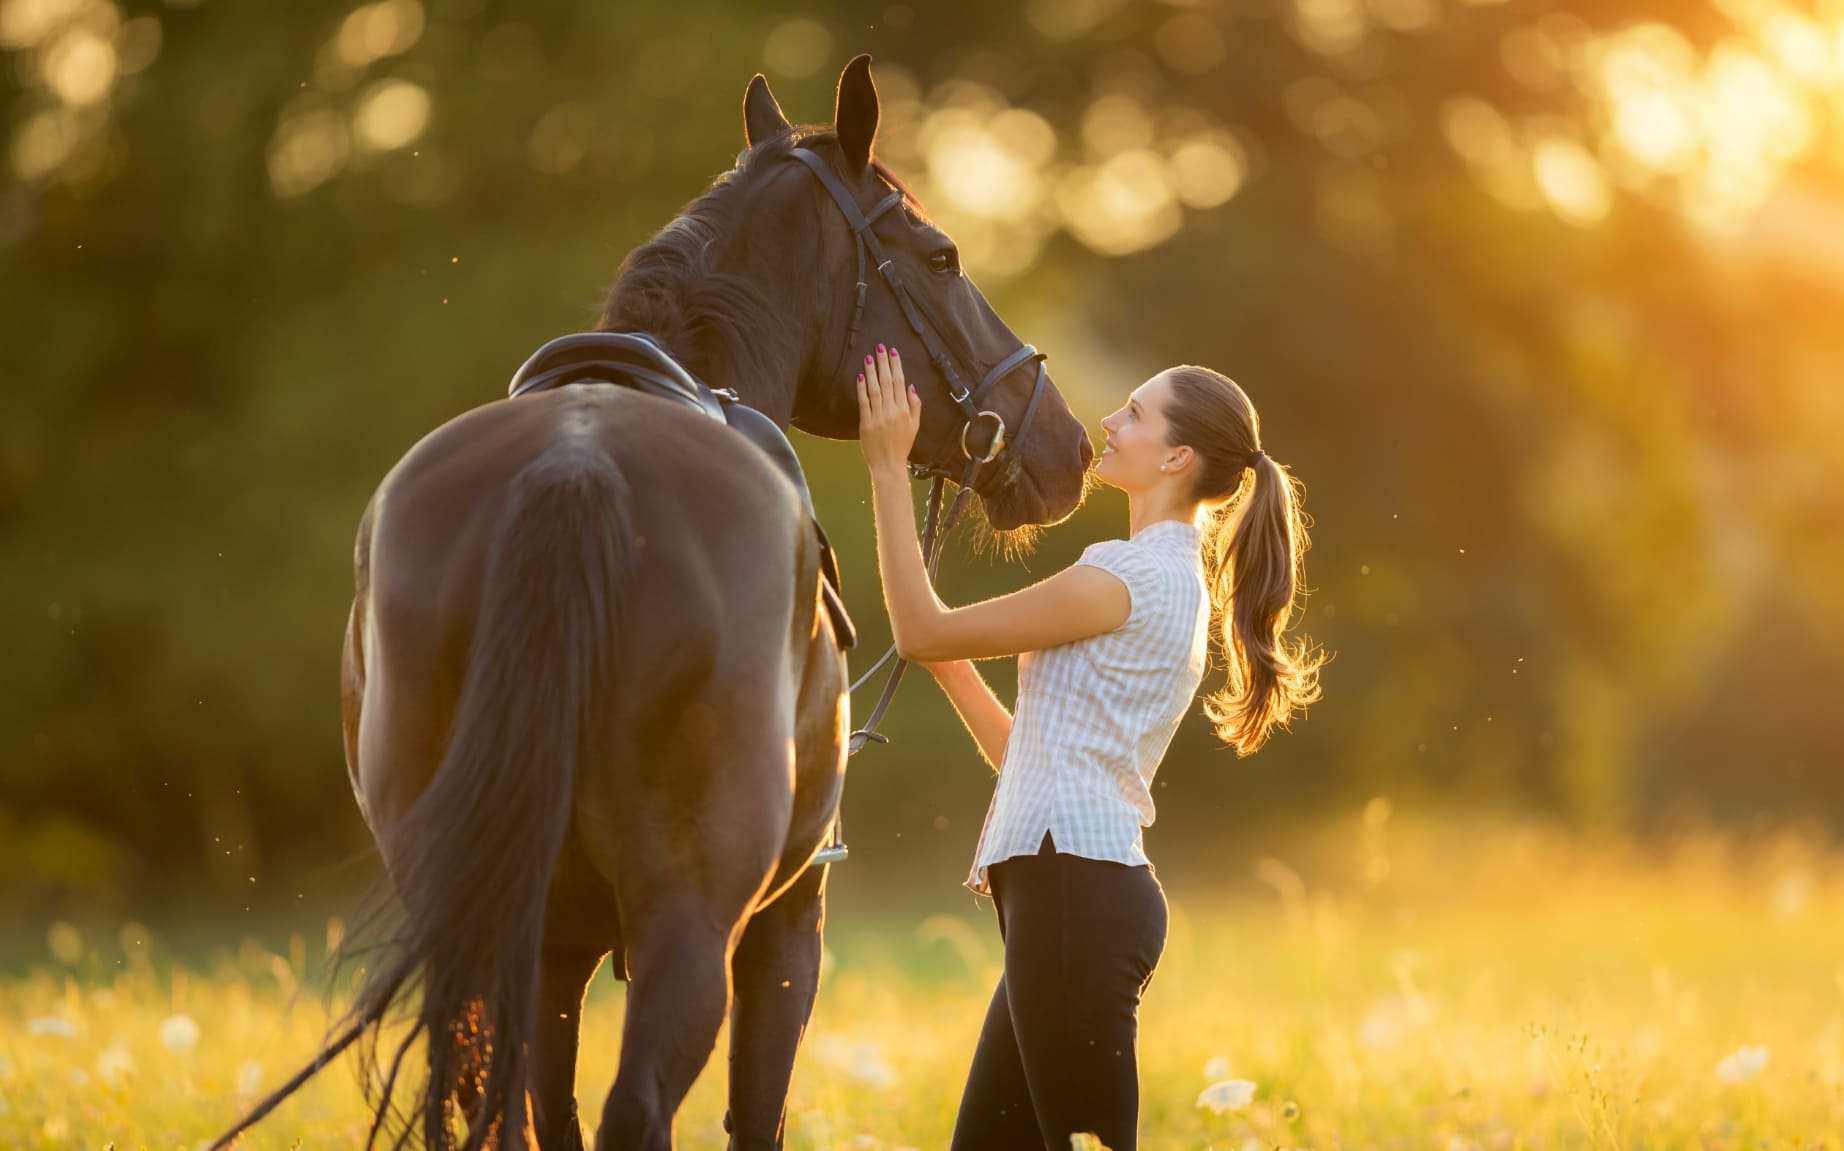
{"x": 1161, "y": 467}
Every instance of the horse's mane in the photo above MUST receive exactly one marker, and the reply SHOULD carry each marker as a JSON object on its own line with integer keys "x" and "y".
{"x": 671, "y": 286}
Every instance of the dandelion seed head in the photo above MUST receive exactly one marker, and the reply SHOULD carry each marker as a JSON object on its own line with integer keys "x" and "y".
{"x": 1226, "y": 1095}
{"x": 113, "y": 1062}
{"x": 1742, "y": 1064}
{"x": 179, "y": 1033}
{"x": 51, "y": 1025}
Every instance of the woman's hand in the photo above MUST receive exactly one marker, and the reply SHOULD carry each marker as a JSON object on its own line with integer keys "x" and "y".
{"x": 889, "y": 414}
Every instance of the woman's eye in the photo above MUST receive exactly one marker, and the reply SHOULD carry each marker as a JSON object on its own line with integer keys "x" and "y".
{"x": 947, "y": 260}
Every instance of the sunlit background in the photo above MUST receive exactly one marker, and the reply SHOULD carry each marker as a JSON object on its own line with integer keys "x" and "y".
{"x": 1542, "y": 300}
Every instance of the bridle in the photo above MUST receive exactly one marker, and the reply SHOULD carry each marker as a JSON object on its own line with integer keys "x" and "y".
{"x": 926, "y": 327}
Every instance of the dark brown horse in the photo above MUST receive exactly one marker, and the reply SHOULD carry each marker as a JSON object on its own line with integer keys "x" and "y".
{"x": 592, "y": 701}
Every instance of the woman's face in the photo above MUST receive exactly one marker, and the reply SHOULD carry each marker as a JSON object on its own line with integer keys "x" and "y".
{"x": 1134, "y": 443}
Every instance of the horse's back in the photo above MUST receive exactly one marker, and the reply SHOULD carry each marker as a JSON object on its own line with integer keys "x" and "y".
{"x": 717, "y": 551}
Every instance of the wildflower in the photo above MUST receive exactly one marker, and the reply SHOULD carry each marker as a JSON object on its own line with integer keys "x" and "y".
{"x": 1086, "y": 1141}
{"x": 1742, "y": 1064}
{"x": 179, "y": 1033}
{"x": 1227, "y": 1095}
{"x": 113, "y": 1062}
{"x": 249, "y": 1077}
{"x": 51, "y": 1025}
{"x": 1217, "y": 1068}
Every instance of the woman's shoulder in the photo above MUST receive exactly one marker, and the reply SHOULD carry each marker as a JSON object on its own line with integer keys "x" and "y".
{"x": 1103, "y": 548}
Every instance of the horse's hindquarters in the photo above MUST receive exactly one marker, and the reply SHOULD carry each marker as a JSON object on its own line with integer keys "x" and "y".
{"x": 723, "y": 649}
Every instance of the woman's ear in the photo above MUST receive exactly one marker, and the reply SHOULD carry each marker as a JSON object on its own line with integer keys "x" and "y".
{"x": 1178, "y": 458}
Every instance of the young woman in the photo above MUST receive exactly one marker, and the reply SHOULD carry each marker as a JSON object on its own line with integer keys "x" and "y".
{"x": 1110, "y": 654}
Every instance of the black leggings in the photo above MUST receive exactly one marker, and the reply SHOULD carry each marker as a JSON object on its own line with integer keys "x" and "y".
{"x": 1056, "y": 1055}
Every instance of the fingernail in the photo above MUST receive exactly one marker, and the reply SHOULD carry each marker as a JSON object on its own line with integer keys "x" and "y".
{"x": 867, "y": 359}
{"x": 893, "y": 353}
{"x": 880, "y": 347}
{"x": 861, "y": 377}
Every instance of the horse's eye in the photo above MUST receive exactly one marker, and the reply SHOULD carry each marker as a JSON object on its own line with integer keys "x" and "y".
{"x": 946, "y": 260}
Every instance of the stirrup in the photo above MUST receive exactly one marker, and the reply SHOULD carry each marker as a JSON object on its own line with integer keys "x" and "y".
{"x": 830, "y": 853}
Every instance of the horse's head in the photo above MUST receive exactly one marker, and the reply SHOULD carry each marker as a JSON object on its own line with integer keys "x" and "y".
{"x": 891, "y": 275}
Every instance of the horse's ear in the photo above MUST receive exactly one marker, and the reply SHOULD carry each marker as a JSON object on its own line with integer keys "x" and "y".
{"x": 762, "y": 117}
{"x": 855, "y": 118}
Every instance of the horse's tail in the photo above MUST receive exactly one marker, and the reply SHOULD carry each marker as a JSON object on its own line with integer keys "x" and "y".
{"x": 472, "y": 860}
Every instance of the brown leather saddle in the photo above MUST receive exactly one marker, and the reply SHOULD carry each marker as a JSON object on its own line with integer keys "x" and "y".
{"x": 632, "y": 360}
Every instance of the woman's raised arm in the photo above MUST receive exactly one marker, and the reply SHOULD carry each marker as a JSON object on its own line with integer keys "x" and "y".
{"x": 1074, "y": 604}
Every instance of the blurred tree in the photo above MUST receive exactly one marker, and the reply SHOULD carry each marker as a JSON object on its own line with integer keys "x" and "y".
{"x": 1538, "y": 298}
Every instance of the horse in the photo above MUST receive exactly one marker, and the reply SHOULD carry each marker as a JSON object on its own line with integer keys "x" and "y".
{"x": 594, "y": 703}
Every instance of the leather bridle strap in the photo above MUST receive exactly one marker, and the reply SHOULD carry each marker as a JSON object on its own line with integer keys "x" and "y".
{"x": 915, "y": 313}
{"x": 936, "y": 526}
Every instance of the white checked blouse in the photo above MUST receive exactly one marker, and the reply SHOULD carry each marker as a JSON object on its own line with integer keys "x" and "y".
{"x": 1094, "y": 717}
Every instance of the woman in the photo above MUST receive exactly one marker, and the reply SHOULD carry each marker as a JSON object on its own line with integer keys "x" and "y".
{"x": 1110, "y": 653}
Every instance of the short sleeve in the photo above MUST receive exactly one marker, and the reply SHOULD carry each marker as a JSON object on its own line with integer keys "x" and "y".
{"x": 1122, "y": 561}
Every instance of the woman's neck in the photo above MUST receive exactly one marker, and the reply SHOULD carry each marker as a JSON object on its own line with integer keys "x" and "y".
{"x": 1154, "y": 507}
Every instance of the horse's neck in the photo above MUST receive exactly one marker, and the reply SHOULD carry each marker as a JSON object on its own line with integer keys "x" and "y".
{"x": 769, "y": 389}
{"x": 770, "y": 375}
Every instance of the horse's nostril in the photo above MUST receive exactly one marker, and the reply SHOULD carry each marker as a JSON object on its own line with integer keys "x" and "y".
{"x": 1087, "y": 449}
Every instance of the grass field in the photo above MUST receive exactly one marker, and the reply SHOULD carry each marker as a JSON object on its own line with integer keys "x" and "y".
{"x": 1386, "y": 987}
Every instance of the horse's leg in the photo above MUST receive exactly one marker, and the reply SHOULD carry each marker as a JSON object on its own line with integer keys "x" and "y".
{"x": 776, "y": 974}
{"x": 685, "y": 892}
{"x": 564, "y": 982}
{"x": 678, "y": 991}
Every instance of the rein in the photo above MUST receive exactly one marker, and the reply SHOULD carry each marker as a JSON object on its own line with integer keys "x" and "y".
{"x": 935, "y": 527}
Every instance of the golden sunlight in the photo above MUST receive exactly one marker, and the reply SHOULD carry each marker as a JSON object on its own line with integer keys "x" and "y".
{"x": 391, "y": 114}
{"x": 374, "y": 31}
{"x": 1725, "y": 126}
{"x": 1572, "y": 182}
{"x": 310, "y": 147}
{"x": 988, "y": 167}
{"x": 80, "y": 67}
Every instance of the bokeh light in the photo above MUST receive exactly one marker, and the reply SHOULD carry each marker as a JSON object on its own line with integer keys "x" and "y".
{"x": 391, "y": 114}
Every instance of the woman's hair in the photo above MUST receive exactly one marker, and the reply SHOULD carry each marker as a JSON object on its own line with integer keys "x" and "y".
{"x": 1254, "y": 550}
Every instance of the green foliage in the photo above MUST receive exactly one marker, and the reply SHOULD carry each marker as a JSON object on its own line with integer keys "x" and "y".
{"x": 1577, "y": 487}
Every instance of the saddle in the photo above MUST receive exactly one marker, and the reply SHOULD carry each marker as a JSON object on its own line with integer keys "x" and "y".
{"x": 632, "y": 360}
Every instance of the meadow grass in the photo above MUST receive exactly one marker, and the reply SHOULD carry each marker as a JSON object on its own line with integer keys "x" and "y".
{"x": 1445, "y": 987}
